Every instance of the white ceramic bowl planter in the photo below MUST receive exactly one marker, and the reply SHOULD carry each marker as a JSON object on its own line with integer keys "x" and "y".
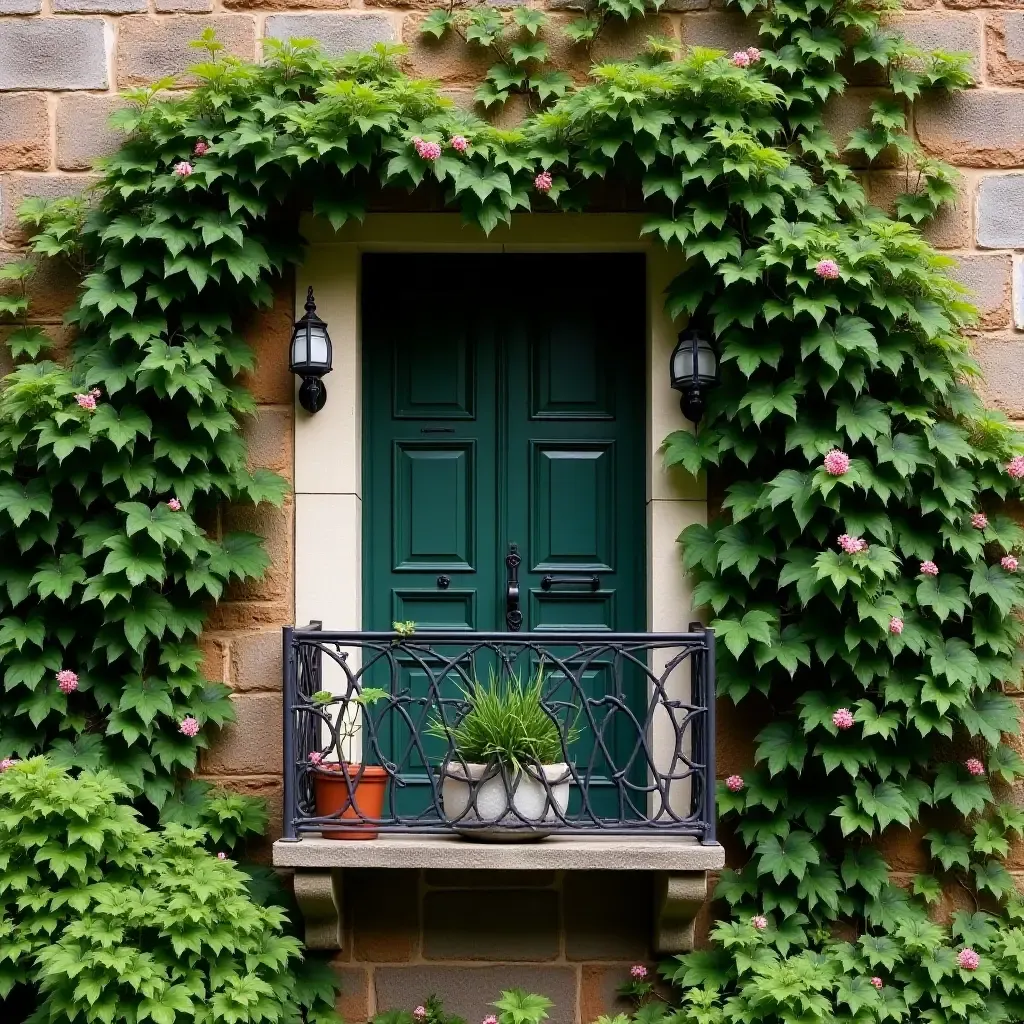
{"x": 489, "y": 793}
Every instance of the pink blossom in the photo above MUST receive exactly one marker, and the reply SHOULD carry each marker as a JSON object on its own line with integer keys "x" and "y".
{"x": 638, "y": 971}
{"x": 836, "y": 462}
{"x": 979, "y": 521}
{"x": 828, "y": 269}
{"x": 968, "y": 959}
{"x": 459, "y": 143}
{"x": 852, "y": 545}
{"x": 420, "y": 1013}
{"x": 753, "y": 53}
{"x": 67, "y": 681}
{"x": 843, "y": 718}
{"x": 929, "y": 568}
{"x": 734, "y": 783}
{"x": 316, "y": 757}
{"x": 174, "y": 505}
{"x": 86, "y": 401}
{"x": 183, "y": 169}
{"x": 189, "y": 726}
{"x": 741, "y": 58}
{"x": 896, "y": 625}
{"x": 201, "y": 148}
{"x": 877, "y": 982}
{"x": 974, "y": 766}
{"x": 759, "y": 921}
{"x": 1009, "y": 563}
{"x": 8, "y": 762}
{"x": 1015, "y": 467}
{"x": 543, "y": 182}
{"x": 427, "y": 150}
{"x": 221, "y": 855}
{"x": 489, "y": 1019}
{"x": 95, "y": 392}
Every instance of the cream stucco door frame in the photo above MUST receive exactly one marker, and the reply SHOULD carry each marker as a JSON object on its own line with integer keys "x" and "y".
{"x": 328, "y": 446}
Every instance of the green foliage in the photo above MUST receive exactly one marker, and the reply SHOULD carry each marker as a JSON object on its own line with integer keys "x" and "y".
{"x": 506, "y": 721}
{"x": 111, "y": 921}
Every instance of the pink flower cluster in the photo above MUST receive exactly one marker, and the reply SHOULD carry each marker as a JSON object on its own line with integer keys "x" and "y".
{"x": 202, "y": 148}
{"x": 929, "y": 568}
{"x": 877, "y": 982}
{"x": 837, "y": 463}
{"x": 459, "y": 143}
{"x": 734, "y": 783}
{"x": 638, "y": 972}
{"x": 827, "y": 269}
{"x": 1009, "y": 563}
{"x": 974, "y": 766}
{"x": 896, "y": 625}
{"x": 853, "y": 545}
{"x": 543, "y": 182}
{"x": 8, "y": 762}
{"x": 427, "y": 150}
{"x": 489, "y": 1019}
{"x": 420, "y": 1013}
{"x": 979, "y": 521}
{"x": 760, "y": 922}
{"x": 67, "y": 681}
{"x": 222, "y": 855}
{"x": 189, "y": 726}
{"x": 1015, "y": 467}
{"x": 968, "y": 959}
{"x": 743, "y": 58}
{"x": 183, "y": 169}
{"x": 843, "y": 718}
{"x": 316, "y": 757}
{"x": 174, "y": 505}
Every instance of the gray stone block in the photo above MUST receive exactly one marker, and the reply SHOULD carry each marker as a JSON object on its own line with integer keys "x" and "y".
{"x": 84, "y": 132}
{"x": 184, "y": 6}
{"x": 53, "y": 53}
{"x": 942, "y": 30}
{"x": 469, "y": 991}
{"x": 20, "y": 6}
{"x": 608, "y": 915}
{"x": 1001, "y": 212}
{"x": 337, "y": 34}
{"x": 99, "y": 6}
{"x": 1018, "y": 293}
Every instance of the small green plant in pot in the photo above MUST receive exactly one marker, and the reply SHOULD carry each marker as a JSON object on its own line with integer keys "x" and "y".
{"x": 347, "y": 789}
{"x": 506, "y": 774}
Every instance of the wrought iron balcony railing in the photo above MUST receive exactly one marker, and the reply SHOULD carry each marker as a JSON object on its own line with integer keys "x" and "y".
{"x": 370, "y": 723}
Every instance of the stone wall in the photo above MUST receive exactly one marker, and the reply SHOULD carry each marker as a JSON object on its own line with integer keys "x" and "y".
{"x": 62, "y": 63}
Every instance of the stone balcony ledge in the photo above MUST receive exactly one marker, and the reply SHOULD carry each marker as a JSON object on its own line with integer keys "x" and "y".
{"x": 556, "y": 853}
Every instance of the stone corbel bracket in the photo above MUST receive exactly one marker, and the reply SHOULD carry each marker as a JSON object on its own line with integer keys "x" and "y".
{"x": 319, "y": 896}
{"x": 678, "y": 897}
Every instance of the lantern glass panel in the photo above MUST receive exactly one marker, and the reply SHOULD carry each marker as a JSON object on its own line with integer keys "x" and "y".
{"x": 682, "y": 362}
{"x": 317, "y": 345}
{"x": 707, "y": 365}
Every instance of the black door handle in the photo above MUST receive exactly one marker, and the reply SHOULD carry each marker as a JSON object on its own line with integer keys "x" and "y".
{"x": 547, "y": 582}
{"x": 513, "y": 615}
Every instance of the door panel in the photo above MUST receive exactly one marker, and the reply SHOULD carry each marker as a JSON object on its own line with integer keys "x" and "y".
{"x": 495, "y": 415}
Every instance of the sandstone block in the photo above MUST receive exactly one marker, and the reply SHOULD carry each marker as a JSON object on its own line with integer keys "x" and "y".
{"x": 256, "y": 661}
{"x": 275, "y": 526}
{"x": 337, "y": 34}
{"x": 845, "y": 113}
{"x": 1004, "y": 37}
{"x": 268, "y": 435}
{"x": 469, "y": 991}
{"x": 949, "y": 229}
{"x": 1018, "y": 295}
{"x": 252, "y": 744}
{"x": 608, "y": 915}
{"x": 184, "y": 6}
{"x": 51, "y": 290}
{"x": 288, "y": 5}
{"x": 976, "y": 128}
{"x": 988, "y": 278}
{"x": 719, "y": 30}
{"x": 940, "y": 30}
{"x": 15, "y": 188}
{"x": 497, "y": 924}
{"x": 354, "y": 1000}
{"x": 83, "y": 130}
{"x": 1000, "y": 203}
{"x": 98, "y": 6}
{"x": 241, "y": 615}
{"x": 151, "y": 48}
{"x": 268, "y": 790}
{"x": 383, "y": 907}
{"x": 624, "y": 40}
{"x": 598, "y": 991}
{"x": 28, "y": 48}
{"x": 268, "y": 333}
{"x": 24, "y": 132}
{"x": 1000, "y": 360}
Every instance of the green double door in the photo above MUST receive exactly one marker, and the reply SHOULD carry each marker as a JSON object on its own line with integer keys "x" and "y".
{"x": 503, "y": 404}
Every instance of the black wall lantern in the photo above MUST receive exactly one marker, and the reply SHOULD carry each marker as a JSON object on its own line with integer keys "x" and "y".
{"x": 693, "y": 368}
{"x": 311, "y": 357}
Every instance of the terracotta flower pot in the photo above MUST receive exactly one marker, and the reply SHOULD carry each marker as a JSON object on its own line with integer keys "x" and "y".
{"x": 359, "y": 800}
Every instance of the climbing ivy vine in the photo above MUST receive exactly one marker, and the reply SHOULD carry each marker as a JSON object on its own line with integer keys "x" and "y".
{"x": 862, "y": 576}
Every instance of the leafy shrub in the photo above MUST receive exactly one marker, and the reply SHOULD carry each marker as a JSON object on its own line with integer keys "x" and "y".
{"x": 110, "y": 921}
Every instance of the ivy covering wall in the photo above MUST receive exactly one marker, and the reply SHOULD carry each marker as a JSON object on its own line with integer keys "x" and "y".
{"x": 861, "y": 581}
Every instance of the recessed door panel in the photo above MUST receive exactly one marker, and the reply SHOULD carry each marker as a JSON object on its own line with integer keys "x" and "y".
{"x": 434, "y": 369}
{"x": 570, "y": 376}
{"x": 572, "y": 514}
{"x": 433, "y": 505}
{"x": 579, "y": 609}
{"x": 435, "y": 609}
